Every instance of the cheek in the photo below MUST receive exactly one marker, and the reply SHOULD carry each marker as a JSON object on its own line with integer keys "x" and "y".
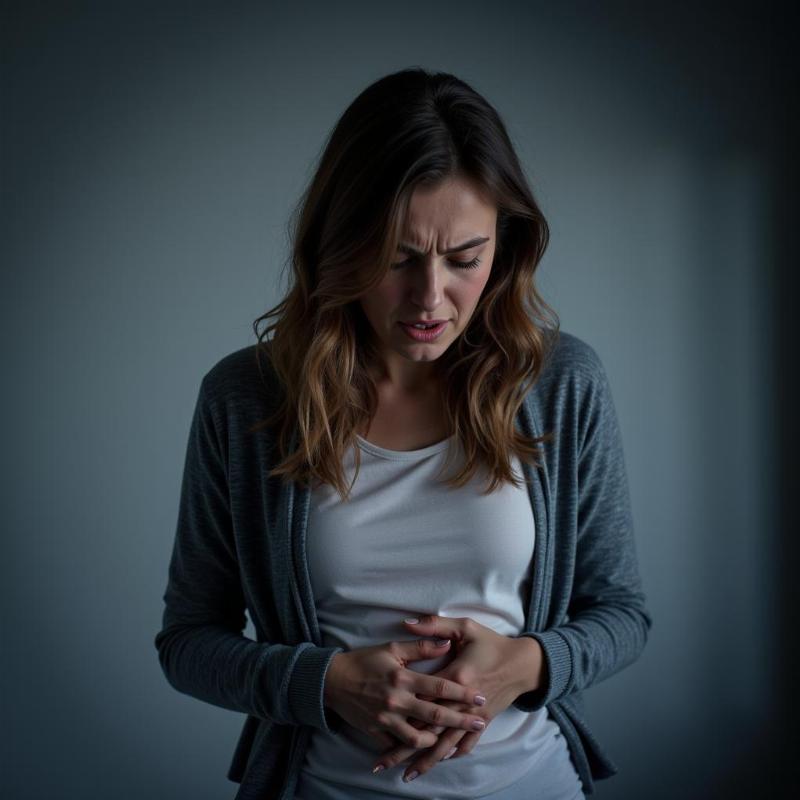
{"x": 470, "y": 293}
{"x": 388, "y": 299}
{"x": 477, "y": 289}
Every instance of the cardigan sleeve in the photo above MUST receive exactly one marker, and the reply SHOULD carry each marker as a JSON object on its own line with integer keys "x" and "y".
{"x": 607, "y": 622}
{"x": 201, "y": 647}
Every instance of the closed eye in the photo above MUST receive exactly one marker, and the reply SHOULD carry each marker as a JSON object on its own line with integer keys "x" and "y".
{"x": 458, "y": 264}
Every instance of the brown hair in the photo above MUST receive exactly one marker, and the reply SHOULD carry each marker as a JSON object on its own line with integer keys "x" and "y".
{"x": 408, "y": 129}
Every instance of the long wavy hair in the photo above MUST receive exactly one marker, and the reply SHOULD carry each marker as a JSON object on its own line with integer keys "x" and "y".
{"x": 411, "y": 128}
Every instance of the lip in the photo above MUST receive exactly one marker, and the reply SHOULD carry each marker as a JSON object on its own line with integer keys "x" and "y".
{"x": 423, "y": 336}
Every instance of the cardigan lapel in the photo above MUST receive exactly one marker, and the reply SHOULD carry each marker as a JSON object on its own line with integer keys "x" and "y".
{"x": 539, "y": 492}
{"x": 298, "y": 499}
{"x": 306, "y": 607}
{"x": 288, "y": 560}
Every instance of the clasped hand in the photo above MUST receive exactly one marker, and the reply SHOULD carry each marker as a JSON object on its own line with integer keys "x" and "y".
{"x": 480, "y": 657}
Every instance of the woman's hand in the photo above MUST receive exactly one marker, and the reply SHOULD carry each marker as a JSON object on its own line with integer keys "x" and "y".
{"x": 372, "y": 689}
{"x": 504, "y": 668}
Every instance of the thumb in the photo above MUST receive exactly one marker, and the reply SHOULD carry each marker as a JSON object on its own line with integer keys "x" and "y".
{"x": 433, "y": 625}
{"x": 421, "y": 649}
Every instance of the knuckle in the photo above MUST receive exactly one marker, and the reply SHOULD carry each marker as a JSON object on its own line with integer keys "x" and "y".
{"x": 392, "y": 702}
{"x": 436, "y": 715}
{"x": 394, "y": 648}
{"x": 418, "y": 741}
{"x": 440, "y": 687}
{"x": 396, "y": 677}
{"x": 462, "y": 675}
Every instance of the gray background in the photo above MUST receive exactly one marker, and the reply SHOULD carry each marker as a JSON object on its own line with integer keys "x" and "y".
{"x": 151, "y": 154}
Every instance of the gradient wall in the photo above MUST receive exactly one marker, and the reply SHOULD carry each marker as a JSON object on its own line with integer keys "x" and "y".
{"x": 151, "y": 153}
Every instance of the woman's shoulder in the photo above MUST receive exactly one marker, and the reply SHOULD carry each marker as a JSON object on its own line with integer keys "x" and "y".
{"x": 570, "y": 358}
{"x": 242, "y": 376}
{"x": 573, "y": 379}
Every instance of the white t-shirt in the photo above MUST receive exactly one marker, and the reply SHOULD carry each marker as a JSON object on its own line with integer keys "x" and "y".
{"x": 406, "y": 545}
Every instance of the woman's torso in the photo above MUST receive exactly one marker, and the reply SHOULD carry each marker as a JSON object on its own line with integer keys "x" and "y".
{"x": 405, "y": 545}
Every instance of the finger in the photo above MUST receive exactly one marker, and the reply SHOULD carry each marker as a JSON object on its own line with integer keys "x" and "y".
{"x": 393, "y": 758}
{"x": 444, "y": 627}
{"x": 436, "y": 714}
{"x": 466, "y": 707}
{"x": 396, "y": 756}
{"x": 440, "y": 688}
{"x": 426, "y": 760}
{"x": 451, "y": 703}
{"x": 447, "y": 741}
{"x": 385, "y": 740}
{"x": 411, "y": 736}
{"x": 418, "y": 723}
{"x": 467, "y": 743}
{"x": 396, "y": 749}
{"x": 419, "y": 649}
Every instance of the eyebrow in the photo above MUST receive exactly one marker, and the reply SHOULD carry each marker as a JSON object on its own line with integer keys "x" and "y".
{"x": 406, "y": 248}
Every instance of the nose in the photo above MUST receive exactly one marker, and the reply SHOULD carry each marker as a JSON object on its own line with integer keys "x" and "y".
{"x": 427, "y": 284}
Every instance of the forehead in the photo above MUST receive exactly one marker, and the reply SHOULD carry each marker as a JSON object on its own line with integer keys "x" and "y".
{"x": 451, "y": 212}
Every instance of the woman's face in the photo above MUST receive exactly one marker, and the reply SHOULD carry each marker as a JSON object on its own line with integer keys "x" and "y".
{"x": 426, "y": 281}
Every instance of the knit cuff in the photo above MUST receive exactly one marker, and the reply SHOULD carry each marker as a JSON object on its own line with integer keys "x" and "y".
{"x": 306, "y": 699}
{"x": 558, "y": 661}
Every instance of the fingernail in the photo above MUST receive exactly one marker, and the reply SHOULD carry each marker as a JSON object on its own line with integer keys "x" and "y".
{"x": 378, "y": 768}
{"x": 412, "y": 621}
{"x": 479, "y": 700}
{"x": 442, "y": 642}
{"x": 478, "y": 725}
{"x": 451, "y": 752}
{"x": 411, "y": 776}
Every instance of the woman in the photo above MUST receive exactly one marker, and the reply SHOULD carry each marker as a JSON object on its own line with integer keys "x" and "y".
{"x": 356, "y": 472}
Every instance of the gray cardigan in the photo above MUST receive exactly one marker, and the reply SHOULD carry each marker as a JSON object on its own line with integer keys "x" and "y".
{"x": 240, "y": 545}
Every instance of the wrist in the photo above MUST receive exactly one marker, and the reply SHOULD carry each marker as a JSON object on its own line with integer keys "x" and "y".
{"x": 331, "y": 680}
{"x": 530, "y": 665}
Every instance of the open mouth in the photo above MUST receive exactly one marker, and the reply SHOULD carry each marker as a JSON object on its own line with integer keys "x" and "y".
{"x": 424, "y": 333}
